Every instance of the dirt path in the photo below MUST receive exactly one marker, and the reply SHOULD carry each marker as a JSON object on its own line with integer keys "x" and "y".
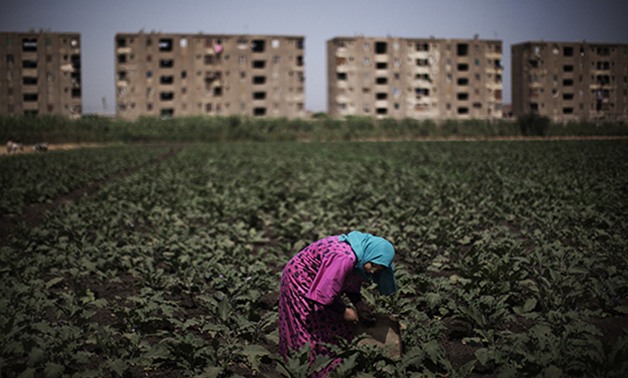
{"x": 34, "y": 214}
{"x": 28, "y": 149}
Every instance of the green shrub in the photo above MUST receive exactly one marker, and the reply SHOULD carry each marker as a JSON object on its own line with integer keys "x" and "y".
{"x": 533, "y": 124}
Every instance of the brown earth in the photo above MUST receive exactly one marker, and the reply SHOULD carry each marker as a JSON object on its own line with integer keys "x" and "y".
{"x": 28, "y": 149}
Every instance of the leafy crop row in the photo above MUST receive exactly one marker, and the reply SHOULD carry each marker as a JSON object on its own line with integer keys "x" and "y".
{"x": 32, "y": 179}
{"x": 511, "y": 255}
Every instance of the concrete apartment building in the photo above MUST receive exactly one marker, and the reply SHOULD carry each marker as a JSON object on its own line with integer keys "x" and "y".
{"x": 41, "y": 73}
{"x": 570, "y": 81}
{"x": 172, "y": 75}
{"x": 414, "y": 78}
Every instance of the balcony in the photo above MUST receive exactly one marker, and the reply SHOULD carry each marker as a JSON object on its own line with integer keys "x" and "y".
{"x": 419, "y": 55}
{"x": 123, "y": 50}
{"x": 381, "y": 58}
{"x": 341, "y": 52}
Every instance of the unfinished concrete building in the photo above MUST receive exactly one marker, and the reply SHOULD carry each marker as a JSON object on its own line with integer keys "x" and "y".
{"x": 41, "y": 73}
{"x": 570, "y": 81}
{"x": 414, "y": 78}
{"x": 170, "y": 75}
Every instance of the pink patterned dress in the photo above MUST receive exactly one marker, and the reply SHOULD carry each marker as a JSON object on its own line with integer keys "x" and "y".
{"x": 310, "y": 297}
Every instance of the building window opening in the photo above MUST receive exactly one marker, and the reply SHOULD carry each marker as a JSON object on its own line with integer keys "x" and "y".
{"x": 165, "y": 44}
{"x": 381, "y": 65}
{"x": 568, "y": 51}
{"x": 259, "y": 95}
{"x": 342, "y": 76}
{"x": 259, "y": 64}
{"x": 462, "y": 96}
{"x": 568, "y": 82}
{"x": 381, "y": 80}
{"x": 463, "y": 110}
{"x": 603, "y": 51}
{"x": 258, "y": 112}
{"x": 422, "y": 62}
{"x": 381, "y": 96}
{"x": 567, "y": 68}
{"x": 568, "y": 96}
{"x": 258, "y": 45}
{"x": 76, "y": 92}
{"x": 462, "y": 49}
{"x": 166, "y": 96}
{"x": 29, "y": 44}
{"x": 121, "y": 42}
{"x": 166, "y": 63}
{"x": 300, "y": 60}
{"x": 300, "y": 44}
{"x": 27, "y": 80}
{"x": 381, "y": 47}
{"x": 603, "y": 66}
{"x": 259, "y": 80}
{"x": 567, "y": 110}
{"x": 382, "y": 111}
{"x": 463, "y": 67}
{"x": 166, "y": 80}
{"x": 121, "y": 58}
{"x": 166, "y": 113}
{"x": 422, "y": 47}
{"x": 463, "y": 81}
{"x": 217, "y": 91}
{"x": 30, "y": 97}
{"x": 420, "y": 92}
{"x": 601, "y": 79}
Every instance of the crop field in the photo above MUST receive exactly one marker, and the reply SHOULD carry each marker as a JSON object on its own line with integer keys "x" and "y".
{"x": 164, "y": 261}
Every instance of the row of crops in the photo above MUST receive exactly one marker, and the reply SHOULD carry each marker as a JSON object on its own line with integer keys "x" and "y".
{"x": 32, "y": 179}
{"x": 512, "y": 259}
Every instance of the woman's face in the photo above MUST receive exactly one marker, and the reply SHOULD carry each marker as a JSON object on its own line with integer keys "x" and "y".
{"x": 373, "y": 268}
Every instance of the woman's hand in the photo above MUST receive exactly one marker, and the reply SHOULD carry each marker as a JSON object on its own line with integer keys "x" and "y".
{"x": 350, "y": 315}
{"x": 366, "y": 314}
{"x": 364, "y": 311}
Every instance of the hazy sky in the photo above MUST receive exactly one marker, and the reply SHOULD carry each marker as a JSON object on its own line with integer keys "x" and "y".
{"x": 511, "y": 21}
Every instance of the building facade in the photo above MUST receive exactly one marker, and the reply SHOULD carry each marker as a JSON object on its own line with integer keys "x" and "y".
{"x": 171, "y": 75}
{"x": 570, "y": 81}
{"x": 414, "y": 78}
{"x": 41, "y": 73}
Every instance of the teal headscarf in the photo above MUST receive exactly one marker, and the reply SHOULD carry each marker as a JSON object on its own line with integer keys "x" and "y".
{"x": 377, "y": 250}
